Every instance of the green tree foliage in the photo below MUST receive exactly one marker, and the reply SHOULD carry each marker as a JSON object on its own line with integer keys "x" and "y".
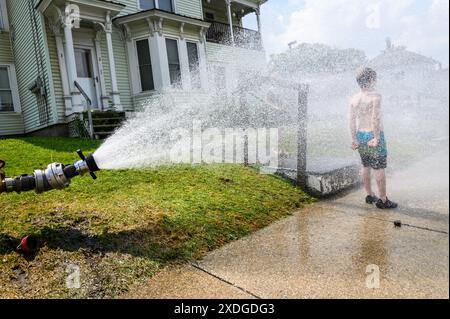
{"x": 315, "y": 59}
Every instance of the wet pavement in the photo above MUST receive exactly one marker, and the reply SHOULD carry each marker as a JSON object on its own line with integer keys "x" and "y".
{"x": 340, "y": 248}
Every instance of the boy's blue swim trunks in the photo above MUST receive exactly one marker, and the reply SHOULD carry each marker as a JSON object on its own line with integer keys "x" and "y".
{"x": 374, "y": 157}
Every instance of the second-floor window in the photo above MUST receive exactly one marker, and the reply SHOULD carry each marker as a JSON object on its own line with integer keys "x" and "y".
{"x": 165, "y": 5}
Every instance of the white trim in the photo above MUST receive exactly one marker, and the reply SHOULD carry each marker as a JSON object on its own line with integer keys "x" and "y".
{"x": 115, "y": 93}
{"x": 4, "y": 16}
{"x": 104, "y": 104}
{"x": 48, "y": 66}
{"x": 71, "y": 68}
{"x": 203, "y": 66}
{"x": 183, "y": 57}
{"x": 63, "y": 72}
{"x": 175, "y": 7}
{"x": 158, "y": 52}
{"x": 133, "y": 66}
{"x": 13, "y": 86}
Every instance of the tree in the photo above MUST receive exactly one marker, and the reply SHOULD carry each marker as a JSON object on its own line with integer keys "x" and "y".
{"x": 315, "y": 59}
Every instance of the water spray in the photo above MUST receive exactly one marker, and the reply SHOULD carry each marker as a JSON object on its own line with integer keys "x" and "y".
{"x": 55, "y": 176}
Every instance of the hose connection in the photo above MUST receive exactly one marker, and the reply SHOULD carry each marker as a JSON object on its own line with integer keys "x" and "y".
{"x": 55, "y": 176}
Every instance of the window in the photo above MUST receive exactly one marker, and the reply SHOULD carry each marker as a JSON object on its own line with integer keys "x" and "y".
{"x": 83, "y": 62}
{"x": 174, "y": 61}
{"x": 145, "y": 65}
{"x": 209, "y": 16}
{"x": 147, "y": 4}
{"x": 3, "y": 16}
{"x": 6, "y": 97}
{"x": 193, "y": 58}
{"x": 165, "y": 5}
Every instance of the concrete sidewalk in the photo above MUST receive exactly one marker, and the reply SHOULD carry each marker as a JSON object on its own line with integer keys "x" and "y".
{"x": 324, "y": 250}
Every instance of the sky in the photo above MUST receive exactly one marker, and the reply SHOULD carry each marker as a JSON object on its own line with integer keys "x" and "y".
{"x": 420, "y": 25}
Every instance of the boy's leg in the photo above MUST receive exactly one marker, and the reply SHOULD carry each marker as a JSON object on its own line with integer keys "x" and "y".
{"x": 365, "y": 173}
{"x": 380, "y": 176}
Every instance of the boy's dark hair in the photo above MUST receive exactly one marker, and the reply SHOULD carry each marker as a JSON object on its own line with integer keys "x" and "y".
{"x": 366, "y": 77}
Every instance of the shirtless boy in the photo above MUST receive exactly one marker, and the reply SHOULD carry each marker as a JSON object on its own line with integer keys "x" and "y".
{"x": 368, "y": 137}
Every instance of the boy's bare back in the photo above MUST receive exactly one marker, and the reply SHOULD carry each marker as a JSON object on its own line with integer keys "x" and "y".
{"x": 366, "y": 109}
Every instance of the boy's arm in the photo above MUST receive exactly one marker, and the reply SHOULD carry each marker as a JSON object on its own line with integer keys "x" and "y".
{"x": 352, "y": 119}
{"x": 376, "y": 118}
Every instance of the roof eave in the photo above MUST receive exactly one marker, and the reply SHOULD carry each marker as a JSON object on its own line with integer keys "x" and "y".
{"x": 108, "y": 5}
{"x": 160, "y": 14}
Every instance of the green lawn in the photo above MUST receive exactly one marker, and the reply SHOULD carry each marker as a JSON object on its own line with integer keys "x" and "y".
{"x": 127, "y": 225}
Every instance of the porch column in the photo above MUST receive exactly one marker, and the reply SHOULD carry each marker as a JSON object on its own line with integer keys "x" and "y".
{"x": 112, "y": 65}
{"x": 71, "y": 65}
{"x": 158, "y": 55}
{"x": 258, "y": 20}
{"x": 230, "y": 20}
{"x": 202, "y": 60}
{"x": 98, "y": 49}
{"x": 184, "y": 61}
{"x": 56, "y": 28}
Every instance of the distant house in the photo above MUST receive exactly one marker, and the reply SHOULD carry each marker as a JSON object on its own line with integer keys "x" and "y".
{"x": 397, "y": 60}
{"x": 120, "y": 53}
{"x": 410, "y": 80}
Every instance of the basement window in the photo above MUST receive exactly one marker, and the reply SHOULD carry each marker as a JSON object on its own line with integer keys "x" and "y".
{"x": 6, "y": 96}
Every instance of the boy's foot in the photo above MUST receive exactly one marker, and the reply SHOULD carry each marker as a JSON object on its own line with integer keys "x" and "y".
{"x": 371, "y": 199}
{"x": 386, "y": 205}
